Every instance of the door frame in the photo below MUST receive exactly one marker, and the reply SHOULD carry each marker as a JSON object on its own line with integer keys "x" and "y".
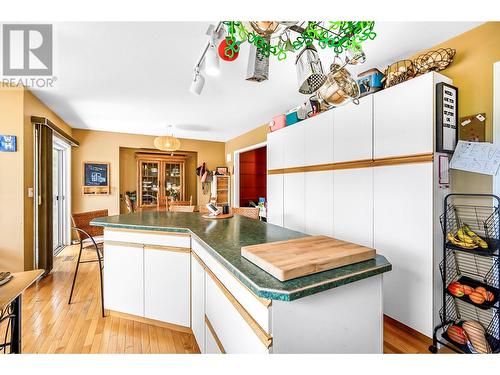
{"x": 66, "y": 147}
{"x": 236, "y": 167}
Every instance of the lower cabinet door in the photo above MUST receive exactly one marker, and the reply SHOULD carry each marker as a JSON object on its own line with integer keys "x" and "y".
{"x": 123, "y": 278}
{"x": 319, "y": 203}
{"x": 198, "y": 302}
{"x": 294, "y": 201}
{"x": 403, "y": 233}
{"x": 275, "y": 199}
{"x": 235, "y": 331}
{"x": 353, "y": 202}
{"x": 167, "y": 284}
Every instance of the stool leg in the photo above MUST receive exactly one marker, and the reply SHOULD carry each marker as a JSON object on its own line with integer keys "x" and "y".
{"x": 100, "y": 277}
{"x": 76, "y": 272}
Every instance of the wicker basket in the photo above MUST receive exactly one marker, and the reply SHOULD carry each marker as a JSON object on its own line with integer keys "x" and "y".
{"x": 434, "y": 60}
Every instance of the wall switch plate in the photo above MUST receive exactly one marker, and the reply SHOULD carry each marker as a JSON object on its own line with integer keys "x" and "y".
{"x": 228, "y": 158}
{"x": 30, "y": 193}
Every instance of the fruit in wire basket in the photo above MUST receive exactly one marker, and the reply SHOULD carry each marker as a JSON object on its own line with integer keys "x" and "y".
{"x": 457, "y": 334}
{"x": 464, "y": 237}
{"x": 464, "y": 245}
{"x": 477, "y": 240}
{"x": 468, "y": 289}
{"x": 477, "y": 298}
{"x": 490, "y": 297}
{"x": 477, "y": 336}
{"x": 481, "y": 290}
{"x": 456, "y": 289}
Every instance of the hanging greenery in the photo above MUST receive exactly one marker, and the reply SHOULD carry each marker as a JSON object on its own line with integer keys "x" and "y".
{"x": 338, "y": 35}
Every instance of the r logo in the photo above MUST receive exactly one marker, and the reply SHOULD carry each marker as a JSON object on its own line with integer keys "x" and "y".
{"x": 27, "y": 50}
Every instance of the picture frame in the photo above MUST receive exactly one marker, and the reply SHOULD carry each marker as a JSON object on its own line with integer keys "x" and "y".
{"x": 221, "y": 171}
{"x": 8, "y": 143}
{"x": 446, "y": 118}
{"x": 95, "y": 178}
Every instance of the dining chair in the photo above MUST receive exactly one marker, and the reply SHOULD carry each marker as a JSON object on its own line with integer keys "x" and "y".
{"x": 251, "y": 212}
{"x": 162, "y": 203}
{"x": 180, "y": 203}
{"x": 88, "y": 235}
{"x": 128, "y": 204}
{"x": 182, "y": 209}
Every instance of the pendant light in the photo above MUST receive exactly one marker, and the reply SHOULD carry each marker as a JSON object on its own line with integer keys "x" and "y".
{"x": 167, "y": 142}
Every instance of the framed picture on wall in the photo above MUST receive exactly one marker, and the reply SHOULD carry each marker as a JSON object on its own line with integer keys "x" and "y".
{"x": 95, "y": 178}
{"x": 446, "y": 117}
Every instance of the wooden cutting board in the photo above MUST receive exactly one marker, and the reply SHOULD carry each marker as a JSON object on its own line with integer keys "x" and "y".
{"x": 289, "y": 259}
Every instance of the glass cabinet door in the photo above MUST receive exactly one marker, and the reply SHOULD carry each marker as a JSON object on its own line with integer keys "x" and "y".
{"x": 150, "y": 172}
{"x": 173, "y": 181}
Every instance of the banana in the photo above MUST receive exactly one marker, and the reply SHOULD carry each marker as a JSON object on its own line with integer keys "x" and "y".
{"x": 463, "y": 237}
{"x": 459, "y": 243}
{"x": 477, "y": 240}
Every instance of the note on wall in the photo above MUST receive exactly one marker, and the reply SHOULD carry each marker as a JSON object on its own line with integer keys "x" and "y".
{"x": 478, "y": 157}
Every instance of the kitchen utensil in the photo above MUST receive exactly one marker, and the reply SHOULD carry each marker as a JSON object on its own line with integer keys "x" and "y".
{"x": 233, "y": 51}
{"x": 399, "y": 72}
{"x": 339, "y": 87}
{"x": 264, "y": 28}
{"x": 258, "y": 65}
{"x": 310, "y": 76}
{"x": 370, "y": 81}
{"x": 355, "y": 55}
{"x": 289, "y": 259}
{"x": 434, "y": 60}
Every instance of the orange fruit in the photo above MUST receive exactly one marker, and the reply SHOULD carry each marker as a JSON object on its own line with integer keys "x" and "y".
{"x": 477, "y": 298}
{"x": 481, "y": 290}
{"x": 468, "y": 289}
{"x": 490, "y": 297}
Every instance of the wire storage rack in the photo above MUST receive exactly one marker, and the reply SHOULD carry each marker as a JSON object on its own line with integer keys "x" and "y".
{"x": 470, "y": 274}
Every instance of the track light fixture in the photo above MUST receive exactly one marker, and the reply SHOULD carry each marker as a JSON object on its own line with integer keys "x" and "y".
{"x": 198, "y": 82}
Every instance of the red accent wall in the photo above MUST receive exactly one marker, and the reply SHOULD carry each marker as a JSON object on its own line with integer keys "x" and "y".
{"x": 253, "y": 170}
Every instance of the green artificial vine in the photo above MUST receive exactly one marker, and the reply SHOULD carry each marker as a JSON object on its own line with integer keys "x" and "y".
{"x": 339, "y": 35}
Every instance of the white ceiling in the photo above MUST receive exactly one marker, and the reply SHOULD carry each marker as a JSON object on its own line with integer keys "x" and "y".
{"x": 135, "y": 77}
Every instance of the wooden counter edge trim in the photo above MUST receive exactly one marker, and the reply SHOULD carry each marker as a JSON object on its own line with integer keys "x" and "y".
{"x": 263, "y": 336}
{"x": 153, "y": 322}
{"x": 122, "y": 243}
{"x": 214, "y": 334}
{"x": 264, "y": 301}
{"x": 168, "y": 248}
{"x": 160, "y": 232}
{"x": 365, "y": 163}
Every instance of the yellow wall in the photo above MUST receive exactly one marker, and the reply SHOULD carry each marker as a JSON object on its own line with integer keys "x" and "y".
{"x": 105, "y": 147}
{"x": 11, "y": 186}
{"x": 472, "y": 72}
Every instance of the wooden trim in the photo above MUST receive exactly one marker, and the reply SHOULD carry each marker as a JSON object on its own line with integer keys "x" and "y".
{"x": 122, "y": 243}
{"x": 153, "y": 322}
{"x": 406, "y": 159}
{"x": 55, "y": 128}
{"x": 365, "y": 163}
{"x": 214, "y": 334}
{"x": 168, "y": 248}
{"x": 263, "y": 336}
{"x": 264, "y": 301}
{"x": 180, "y": 234}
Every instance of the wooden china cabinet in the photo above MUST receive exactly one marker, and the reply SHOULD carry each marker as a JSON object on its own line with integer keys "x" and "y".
{"x": 159, "y": 176}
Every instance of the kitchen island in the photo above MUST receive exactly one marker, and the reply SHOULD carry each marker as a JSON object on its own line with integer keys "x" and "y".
{"x": 186, "y": 272}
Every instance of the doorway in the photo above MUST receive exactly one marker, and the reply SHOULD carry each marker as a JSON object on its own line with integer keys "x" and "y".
{"x": 250, "y": 175}
{"x": 60, "y": 194}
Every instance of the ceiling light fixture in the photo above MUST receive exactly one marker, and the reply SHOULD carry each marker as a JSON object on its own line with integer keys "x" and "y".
{"x": 198, "y": 82}
{"x": 167, "y": 142}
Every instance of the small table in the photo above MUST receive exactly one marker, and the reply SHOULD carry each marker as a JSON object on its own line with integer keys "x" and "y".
{"x": 10, "y": 305}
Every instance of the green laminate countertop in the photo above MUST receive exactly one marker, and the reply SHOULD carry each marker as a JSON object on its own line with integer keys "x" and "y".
{"x": 224, "y": 239}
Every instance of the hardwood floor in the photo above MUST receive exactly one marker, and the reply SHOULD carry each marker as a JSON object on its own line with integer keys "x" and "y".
{"x": 50, "y": 325}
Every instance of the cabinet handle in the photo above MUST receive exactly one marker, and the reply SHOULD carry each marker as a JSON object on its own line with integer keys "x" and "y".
{"x": 120, "y": 243}
{"x": 214, "y": 334}
{"x": 168, "y": 248}
{"x": 263, "y": 336}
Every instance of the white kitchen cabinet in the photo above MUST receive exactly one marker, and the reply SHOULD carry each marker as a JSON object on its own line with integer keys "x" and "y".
{"x": 123, "y": 278}
{"x": 318, "y": 139}
{"x": 294, "y": 145}
{"x": 319, "y": 206}
{"x": 403, "y": 118}
{"x": 353, "y": 203}
{"x": 353, "y": 131}
{"x": 294, "y": 201}
{"x": 275, "y": 199}
{"x": 167, "y": 284}
{"x": 403, "y": 233}
{"x": 211, "y": 345}
{"x": 232, "y": 329}
{"x": 198, "y": 302}
{"x": 275, "y": 150}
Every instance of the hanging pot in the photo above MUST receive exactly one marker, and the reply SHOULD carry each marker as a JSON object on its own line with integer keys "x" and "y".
{"x": 310, "y": 74}
{"x": 264, "y": 28}
{"x": 339, "y": 87}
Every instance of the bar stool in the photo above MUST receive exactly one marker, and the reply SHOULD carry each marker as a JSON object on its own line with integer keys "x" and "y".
{"x": 86, "y": 232}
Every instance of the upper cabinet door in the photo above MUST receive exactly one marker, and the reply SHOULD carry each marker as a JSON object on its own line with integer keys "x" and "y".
{"x": 293, "y": 138}
{"x": 353, "y": 131}
{"x": 318, "y": 136}
{"x": 403, "y": 120}
{"x": 275, "y": 150}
